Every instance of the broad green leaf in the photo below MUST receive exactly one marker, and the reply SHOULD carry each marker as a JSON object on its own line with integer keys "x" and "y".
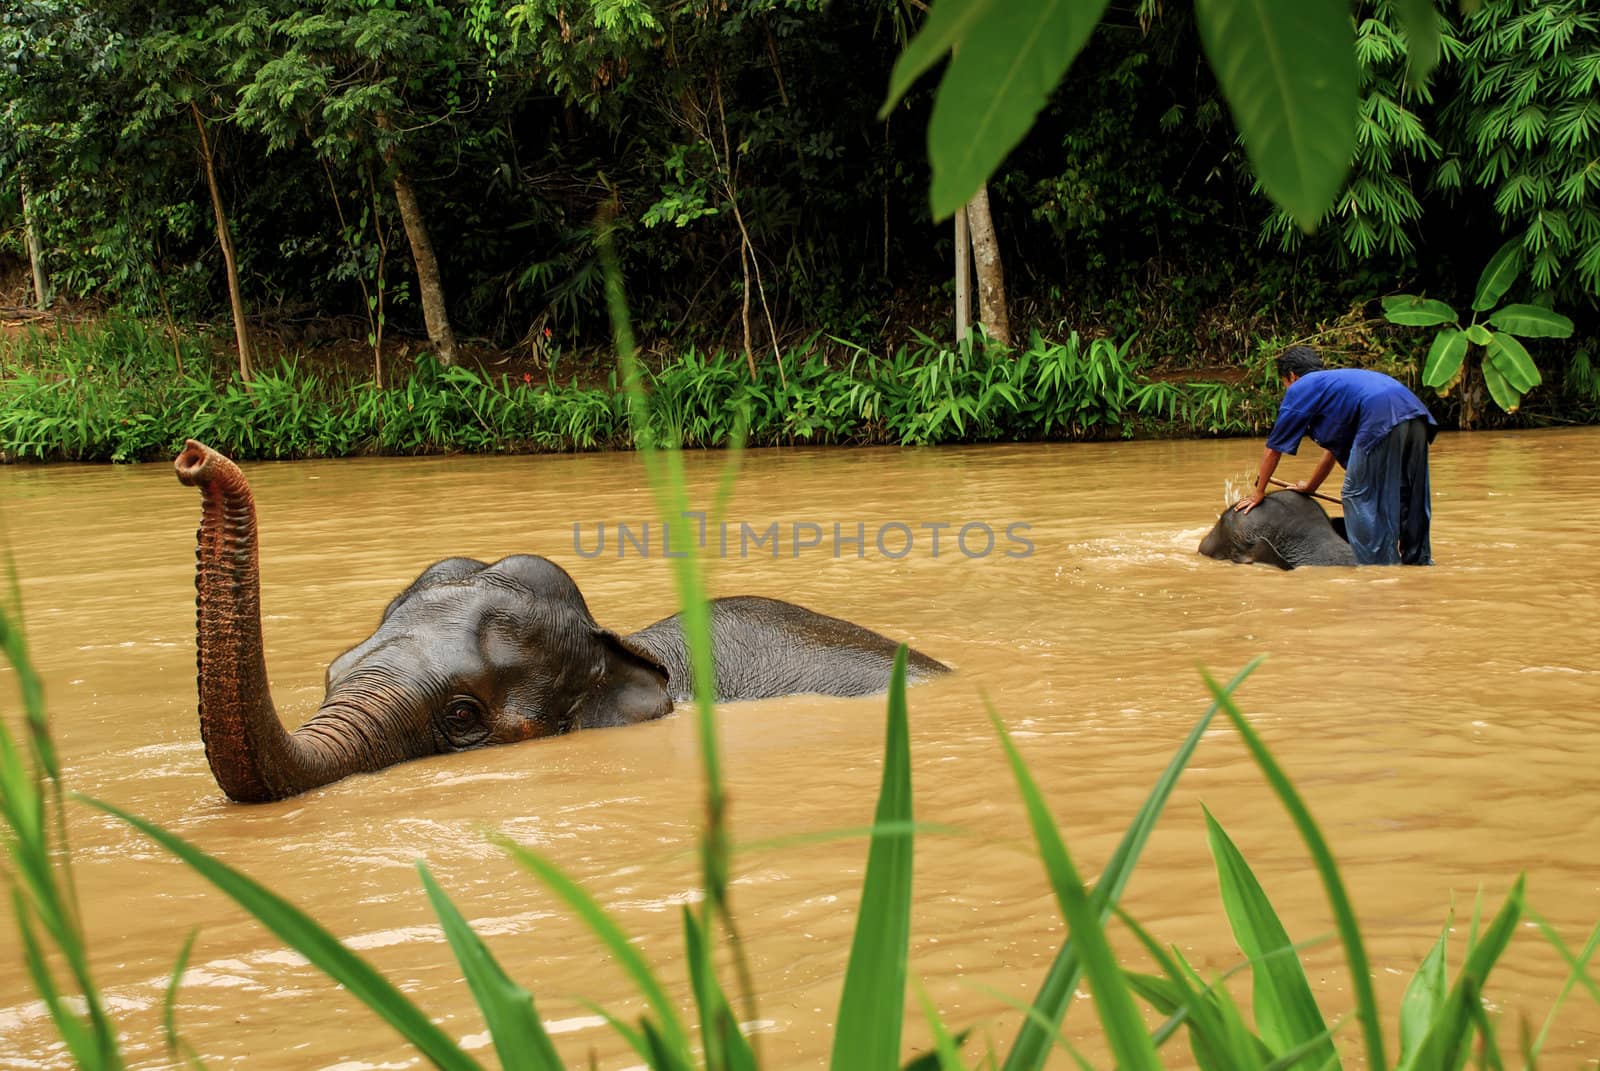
{"x": 1498, "y": 275}
{"x": 519, "y": 1037}
{"x": 1113, "y": 1001}
{"x": 669, "y": 1030}
{"x": 1513, "y": 361}
{"x": 1344, "y": 915}
{"x": 1000, "y": 77}
{"x": 1424, "y": 995}
{"x": 1504, "y": 394}
{"x": 1446, "y": 1044}
{"x": 1420, "y": 21}
{"x": 1286, "y": 1012}
{"x": 1034, "y": 1040}
{"x": 947, "y": 23}
{"x": 1443, "y": 366}
{"x": 872, "y": 1006}
{"x": 300, "y": 932}
{"x": 1413, "y": 311}
{"x": 1288, "y": 71}
{"x": 1479, "y": 334}
{"x": 1532, "y": 321}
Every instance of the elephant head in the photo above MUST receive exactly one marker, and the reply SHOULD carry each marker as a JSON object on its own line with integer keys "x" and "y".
{"x": 469, "y": 655}
{"x": 1287, "y": 529}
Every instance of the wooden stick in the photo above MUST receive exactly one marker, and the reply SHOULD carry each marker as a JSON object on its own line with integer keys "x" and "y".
{"x": 1313, "y": 494}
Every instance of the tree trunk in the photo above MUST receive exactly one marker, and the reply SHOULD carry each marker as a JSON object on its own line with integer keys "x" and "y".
{"x": 41, "y": 292}
{"x": 991, "y": 279}
{"x": 429, "y": 285}
{"x": 963, "y": 276}
{"x": 235, "y": 296}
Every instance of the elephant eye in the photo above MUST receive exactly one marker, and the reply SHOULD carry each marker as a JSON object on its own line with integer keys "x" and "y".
{"x": 464, "y": 722}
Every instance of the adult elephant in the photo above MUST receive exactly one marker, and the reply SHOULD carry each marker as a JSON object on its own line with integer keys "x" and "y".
{"x": 473, "y": 654}
{"x": 1288, "y": 529}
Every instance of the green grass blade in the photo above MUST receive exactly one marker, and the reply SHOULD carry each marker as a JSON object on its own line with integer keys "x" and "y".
{"x": 1489, "y": 1050}
{"x": 1338, "y": 899}
{"x": 1209, "y": 1036}
{"x": 872, "y": 1006}
{"x": 79, "y": 1040}
{"x": 1578, "y": 972}
{"x": 169, "y": 1002}
{"x": 519, "y": 1037}
{"x": 1238, "y": 1049}
{"x": 635, "y": 1038}
{"x": 1424, "y": 995}
{"x": 1295, "y": 1055}
{"x": 1286, "y": 1013}
{"x": 1447, "y": 1043}
{"x": 1119, "y": 1017}
{"x": 610, "y": 934}
{"x": 944, "y": 1046}
{"x": 661, "y": 1054}
{"x": 1033, "y": 1041}
{"x": 300, "y": 932}
{"x": 1288, "y": 71}
{"x": 724, "y": 1043}
{"x": 1029, "y": 1012}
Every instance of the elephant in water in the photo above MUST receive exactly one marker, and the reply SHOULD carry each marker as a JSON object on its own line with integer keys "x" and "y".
{"x": 1288, "y": 529}
{"x": 471, "y": 655}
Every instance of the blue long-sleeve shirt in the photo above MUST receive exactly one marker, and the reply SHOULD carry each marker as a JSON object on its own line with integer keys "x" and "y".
{"x": 1344, "y": 409}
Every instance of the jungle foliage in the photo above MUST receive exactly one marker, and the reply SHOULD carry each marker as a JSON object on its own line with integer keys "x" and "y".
{"x": 702, "y": 129}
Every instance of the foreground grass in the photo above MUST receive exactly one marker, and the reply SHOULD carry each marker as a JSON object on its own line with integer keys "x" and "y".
{"x": 117, "y": 391}
{"x": 1443, "y": 1019}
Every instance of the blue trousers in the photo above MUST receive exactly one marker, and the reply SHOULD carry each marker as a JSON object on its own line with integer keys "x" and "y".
{"x": 1386, "y": 501}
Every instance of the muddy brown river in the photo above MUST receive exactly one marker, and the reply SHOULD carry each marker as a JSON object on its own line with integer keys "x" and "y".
{"x": 1441, "y": 722}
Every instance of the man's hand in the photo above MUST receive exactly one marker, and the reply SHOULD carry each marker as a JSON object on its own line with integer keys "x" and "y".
{"x": 1249, "y": 502}
{"x": 1305, "y": 487}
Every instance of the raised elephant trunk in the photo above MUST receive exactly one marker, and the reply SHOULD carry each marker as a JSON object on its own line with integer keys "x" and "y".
{"x": 253, "y": 759}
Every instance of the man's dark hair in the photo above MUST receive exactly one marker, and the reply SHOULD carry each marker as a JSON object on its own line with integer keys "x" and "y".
{"x": 1297, "y": 361}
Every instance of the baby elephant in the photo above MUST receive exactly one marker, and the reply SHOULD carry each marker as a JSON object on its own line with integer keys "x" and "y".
{"x": 473, "y": 654}
{"x": 1288, "y": 529}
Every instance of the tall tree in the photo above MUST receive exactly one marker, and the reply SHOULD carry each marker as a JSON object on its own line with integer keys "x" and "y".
{"x": 368, "y": 85}
{"x": 175, "y": 65}
{"x": 991, "y": 277}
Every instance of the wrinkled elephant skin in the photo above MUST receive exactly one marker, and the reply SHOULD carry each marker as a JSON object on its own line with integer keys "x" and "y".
{"x": 473, "y": 654}
{"x": 1288, "y": 529}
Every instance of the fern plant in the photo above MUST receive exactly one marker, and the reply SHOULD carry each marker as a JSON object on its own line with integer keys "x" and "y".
{"x": 1378, "y": 210}
{"x": 1508, "y": 368}
{"x": 1530, "y": 104}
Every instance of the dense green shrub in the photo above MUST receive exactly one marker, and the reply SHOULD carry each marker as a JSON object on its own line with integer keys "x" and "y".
{"x": 117, "y": 394}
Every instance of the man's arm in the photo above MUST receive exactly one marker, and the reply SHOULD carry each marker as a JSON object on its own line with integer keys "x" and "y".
{"x": 1318, "y": 474}
{"x": 1269, "y": 465}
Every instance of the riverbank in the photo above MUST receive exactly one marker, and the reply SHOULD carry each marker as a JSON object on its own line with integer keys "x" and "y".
{"x": 118, "y": 390}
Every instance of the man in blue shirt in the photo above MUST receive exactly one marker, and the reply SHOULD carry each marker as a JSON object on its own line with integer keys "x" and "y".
{"x": 1379, "y": 431}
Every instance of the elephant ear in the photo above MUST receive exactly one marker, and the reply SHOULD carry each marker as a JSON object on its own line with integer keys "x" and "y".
{"x": 1264, "y": 553}
{"x": 632, "y": 685}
